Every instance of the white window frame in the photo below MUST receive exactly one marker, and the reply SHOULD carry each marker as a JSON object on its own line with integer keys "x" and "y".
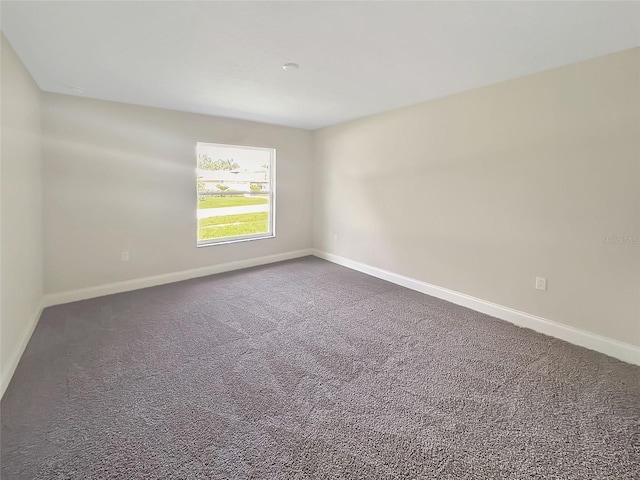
{"x": 271, "y": 233}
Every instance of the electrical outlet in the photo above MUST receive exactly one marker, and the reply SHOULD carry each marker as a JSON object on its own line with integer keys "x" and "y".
{"x": 125, "y": 256}
{"x": 335, "y": 237}
{"x": 541, "y": 283}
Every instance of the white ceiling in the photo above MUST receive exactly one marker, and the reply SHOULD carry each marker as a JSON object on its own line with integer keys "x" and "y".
{"x": 356, "y": 58}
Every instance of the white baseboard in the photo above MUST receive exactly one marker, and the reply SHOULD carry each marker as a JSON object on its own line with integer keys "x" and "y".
{"x": 623, "y": 351}
{"x": 137, "y": 283}
{"x": 608, "y": 346}
{"x": 9, "y": 368}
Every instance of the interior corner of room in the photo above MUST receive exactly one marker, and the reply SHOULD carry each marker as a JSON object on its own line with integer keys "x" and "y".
{"x": 468, "y": 197}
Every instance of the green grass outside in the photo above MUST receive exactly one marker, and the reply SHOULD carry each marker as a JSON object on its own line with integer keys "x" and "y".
{"x": 231, "y": 201}
{"x": 233, "y": 225}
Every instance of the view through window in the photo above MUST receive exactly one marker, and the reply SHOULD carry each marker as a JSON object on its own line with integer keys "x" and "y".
{"x": 235, "y": 186}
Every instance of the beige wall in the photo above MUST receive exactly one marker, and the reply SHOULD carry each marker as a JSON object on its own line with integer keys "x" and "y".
{"x": 477, "y": 192}
{"x": 21, "y": 210}
{"x": 482, "y": 191}
{"x": 122, "y": 177}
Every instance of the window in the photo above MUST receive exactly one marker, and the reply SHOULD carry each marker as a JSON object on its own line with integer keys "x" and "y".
{"x": 236, "y": 193}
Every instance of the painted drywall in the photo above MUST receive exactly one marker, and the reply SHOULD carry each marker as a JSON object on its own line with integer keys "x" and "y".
{"x": 120, "y": 177}
{"x": 21, "y": 210}
{"x": 482, "y": 191}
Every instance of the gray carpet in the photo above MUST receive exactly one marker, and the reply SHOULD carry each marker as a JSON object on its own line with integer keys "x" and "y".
{"x": 304, "y": 369}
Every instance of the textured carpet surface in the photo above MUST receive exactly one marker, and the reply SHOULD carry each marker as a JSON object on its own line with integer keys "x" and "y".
{"x": 305, "y": 369}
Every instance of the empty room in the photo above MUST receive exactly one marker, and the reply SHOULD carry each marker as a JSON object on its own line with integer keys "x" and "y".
{"x": 320, "y": 240}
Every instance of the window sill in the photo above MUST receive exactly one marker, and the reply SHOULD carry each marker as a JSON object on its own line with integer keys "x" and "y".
{"x": 225, "y": 241}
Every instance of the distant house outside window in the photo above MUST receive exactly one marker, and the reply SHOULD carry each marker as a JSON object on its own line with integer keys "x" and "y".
{"x": 235, "y": 193}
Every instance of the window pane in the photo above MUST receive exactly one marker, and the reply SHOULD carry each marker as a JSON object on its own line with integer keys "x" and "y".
{"x": 235, "y": 192}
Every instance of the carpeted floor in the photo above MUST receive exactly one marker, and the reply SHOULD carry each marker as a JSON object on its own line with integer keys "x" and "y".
{"x": 304, "y": 369}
